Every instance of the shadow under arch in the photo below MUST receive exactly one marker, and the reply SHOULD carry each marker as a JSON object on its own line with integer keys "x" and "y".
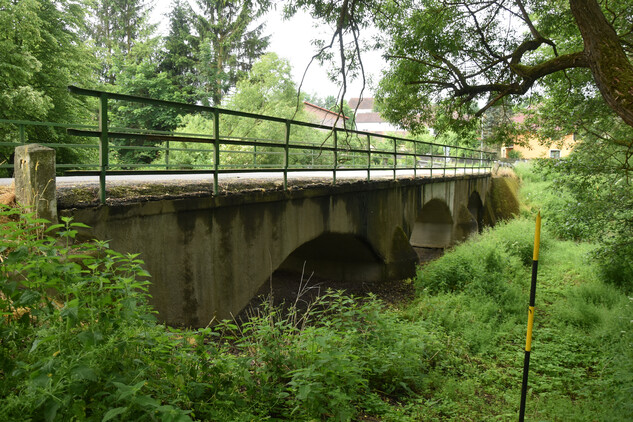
{"x": 338, "y": 256}
{"x": 433, "y": 227}
{"x": 476, "y": 208}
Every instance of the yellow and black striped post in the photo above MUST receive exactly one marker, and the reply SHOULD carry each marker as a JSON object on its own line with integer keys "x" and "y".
{"x": 528, "y": 341}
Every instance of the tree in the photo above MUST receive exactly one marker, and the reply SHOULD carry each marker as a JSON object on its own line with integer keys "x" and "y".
{"x": 40, "y": 55}
{"x": 447, "y": 55}
{"x": 139, "y": 74}
{"x": 268, "y": 90}
{"x": 228, "y": 46}
{"x": 180, "y": 46}
{"x": 115, "y": 27}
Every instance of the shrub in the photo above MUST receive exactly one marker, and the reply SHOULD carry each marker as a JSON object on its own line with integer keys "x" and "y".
{"x": 483, "y": 264}
{"x": 78, "y": 337}
{"x": 79, "y": 342}
{"x": 340, "y": 356}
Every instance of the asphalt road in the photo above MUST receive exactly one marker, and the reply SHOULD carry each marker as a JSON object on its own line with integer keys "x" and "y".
{"x": 246, "y": 177}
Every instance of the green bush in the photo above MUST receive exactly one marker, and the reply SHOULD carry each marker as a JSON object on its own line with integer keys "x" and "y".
{"x": 340, "y": 356}
{"x": 80, "y": 342}
{"x": 483, "y": 264}
{"x": 78, "y": 338}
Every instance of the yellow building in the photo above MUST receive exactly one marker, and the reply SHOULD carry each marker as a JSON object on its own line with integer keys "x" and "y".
{"x": 535, "y": 149}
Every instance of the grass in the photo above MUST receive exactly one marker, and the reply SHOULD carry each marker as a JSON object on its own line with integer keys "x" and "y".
{"x": 92, "y": 350}
{"x": 476, "y": 296}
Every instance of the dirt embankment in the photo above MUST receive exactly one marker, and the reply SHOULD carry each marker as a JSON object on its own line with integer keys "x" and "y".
{"x": 7, "y": 195}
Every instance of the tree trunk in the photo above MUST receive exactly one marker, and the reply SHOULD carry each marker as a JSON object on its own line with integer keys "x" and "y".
{"x": 611, "y": 68}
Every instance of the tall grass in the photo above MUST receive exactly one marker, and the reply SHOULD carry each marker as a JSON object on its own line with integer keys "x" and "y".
{"x": 476, "y": 296}
{"x": 80, "y": 342}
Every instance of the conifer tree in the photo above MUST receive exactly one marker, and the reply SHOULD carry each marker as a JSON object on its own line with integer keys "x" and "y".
{"x": 228, "y": 44}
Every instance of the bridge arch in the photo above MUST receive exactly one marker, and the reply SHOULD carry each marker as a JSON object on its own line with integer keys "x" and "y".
{"x": 338, "y": 256}
{"x": 433, "y": 227}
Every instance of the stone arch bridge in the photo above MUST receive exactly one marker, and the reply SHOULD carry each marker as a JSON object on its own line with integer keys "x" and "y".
{"x": 209, "y": 256}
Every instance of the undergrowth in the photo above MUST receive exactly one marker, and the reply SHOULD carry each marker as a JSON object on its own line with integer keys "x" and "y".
{"x": 80, "y": 342}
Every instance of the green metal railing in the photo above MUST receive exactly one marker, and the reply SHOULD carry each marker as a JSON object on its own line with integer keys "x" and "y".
{"x": 22, "y": 137}
{"x": 317, "y": 148}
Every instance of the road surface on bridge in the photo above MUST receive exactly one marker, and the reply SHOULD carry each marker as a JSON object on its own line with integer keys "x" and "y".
{"x": 248, "y": 177}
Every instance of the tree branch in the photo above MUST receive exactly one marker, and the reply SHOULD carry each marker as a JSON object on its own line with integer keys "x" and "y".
{"x": 608, "y": 62}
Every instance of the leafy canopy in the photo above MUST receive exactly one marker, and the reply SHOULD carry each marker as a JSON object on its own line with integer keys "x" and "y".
{"x": 453, "y": 56}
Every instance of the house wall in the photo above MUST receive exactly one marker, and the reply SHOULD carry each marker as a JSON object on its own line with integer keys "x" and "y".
{"x": 535, "y": 150}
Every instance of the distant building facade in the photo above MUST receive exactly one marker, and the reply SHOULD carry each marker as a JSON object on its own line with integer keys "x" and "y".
{"x": 368, "y": 120}
{"x": 534, "y": 149}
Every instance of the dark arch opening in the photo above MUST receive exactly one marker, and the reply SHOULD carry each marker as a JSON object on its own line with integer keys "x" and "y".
{"x": 476, "y": 208}
{"x": 332, "y": 260}
{"x": 337, "y": 256}
{"x": 433, "y": 227}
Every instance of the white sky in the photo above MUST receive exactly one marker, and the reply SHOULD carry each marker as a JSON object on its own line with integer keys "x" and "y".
{"x": 291, "y": 39}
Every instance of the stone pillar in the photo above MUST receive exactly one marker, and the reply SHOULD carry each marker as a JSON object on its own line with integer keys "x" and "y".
{"x": 34, "y": 174}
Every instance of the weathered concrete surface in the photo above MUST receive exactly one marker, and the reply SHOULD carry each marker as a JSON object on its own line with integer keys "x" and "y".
{"x": 35, "y": 180}
{"x": 209, "y": 256}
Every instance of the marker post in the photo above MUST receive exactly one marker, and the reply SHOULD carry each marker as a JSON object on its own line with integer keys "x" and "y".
{"x": 528, "y": 341}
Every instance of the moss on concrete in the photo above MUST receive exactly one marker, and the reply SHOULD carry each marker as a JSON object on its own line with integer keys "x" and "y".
{"x": 503, "y": 201}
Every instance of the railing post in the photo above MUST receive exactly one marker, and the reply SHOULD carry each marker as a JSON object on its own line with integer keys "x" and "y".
{"x": 104, "y": 146}
{"x": 335, "y": 156}
{"x": 286, "y": 154}
{"x": 415, "y": 159}
{"x": 34, "y": 173}
{"x": 368, "y": 157}
{"x": 395, "y": 157}
{"x": 216, "y": 150}
{"x": 432, "y": 157}
{"x": 166, "y": 155}
{"x": 22, "y": 134}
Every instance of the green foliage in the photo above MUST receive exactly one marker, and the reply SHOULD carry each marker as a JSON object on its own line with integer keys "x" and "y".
{"x": 229, "y": 42}
{"x": 180, "y": 49}
{"x": 587, "y": 197}
{"x": 78, "y": 338}
{"x": 338, "y": 357}
{"x": 41, "y": 54}
{"x": 500, "y": 254}
{"x": 581, "y": 348}
{"x": 515, "y": 155}
{"x": 268, "y": 89}
{"x": 115, "y": 27}
{"x": 79, "y": 341}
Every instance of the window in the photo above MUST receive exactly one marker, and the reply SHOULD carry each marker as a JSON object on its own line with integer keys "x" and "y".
{"x": 554, "y": 153}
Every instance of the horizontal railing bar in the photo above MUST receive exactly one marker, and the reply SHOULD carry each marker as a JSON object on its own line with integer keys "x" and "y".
{"x": 48, "y": 124}
{"x": 229, "y": 170}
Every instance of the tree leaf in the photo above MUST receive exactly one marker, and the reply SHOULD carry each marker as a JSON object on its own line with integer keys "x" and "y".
{"x": 113, "y": 413}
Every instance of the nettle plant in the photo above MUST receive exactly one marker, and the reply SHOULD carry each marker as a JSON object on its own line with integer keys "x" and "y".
{"x": 78, "y": 339}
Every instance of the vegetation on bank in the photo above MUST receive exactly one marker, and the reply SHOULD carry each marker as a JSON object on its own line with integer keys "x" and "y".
{"x": 79, "y": 341}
